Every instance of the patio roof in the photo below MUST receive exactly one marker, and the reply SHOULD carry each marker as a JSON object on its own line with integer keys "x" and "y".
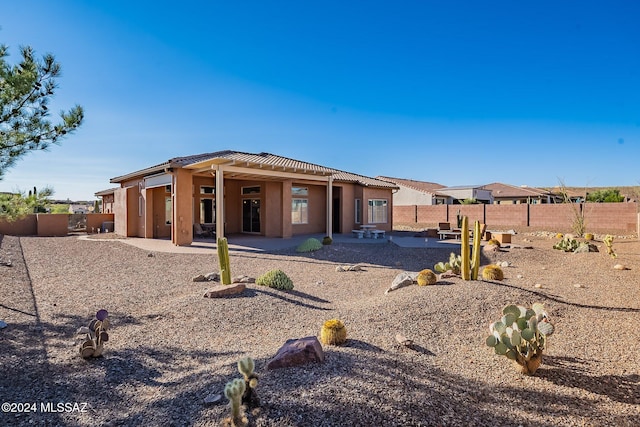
{"x": 240, "y": 165}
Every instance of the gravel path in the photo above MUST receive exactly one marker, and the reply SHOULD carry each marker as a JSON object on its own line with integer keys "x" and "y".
{"x": 169, "y": 347}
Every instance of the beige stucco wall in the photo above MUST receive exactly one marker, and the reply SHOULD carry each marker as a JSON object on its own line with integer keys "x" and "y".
{"x": 53, "y": 225}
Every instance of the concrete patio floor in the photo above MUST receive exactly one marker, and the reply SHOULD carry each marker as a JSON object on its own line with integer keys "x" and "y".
{"x": 249, "y": 243}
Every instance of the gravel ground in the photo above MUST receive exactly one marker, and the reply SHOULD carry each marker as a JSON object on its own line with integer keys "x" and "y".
{"x": 169, "y": 347}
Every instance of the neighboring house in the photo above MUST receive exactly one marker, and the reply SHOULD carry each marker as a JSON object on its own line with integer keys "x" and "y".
{"x": 510, "y": 194}
{"x": 468, "y": 192}
{"x": 78, "y": 209}
{"x": 264, "y": 194}
{"x": 107, "y": 197}
{"x": 411, "y": 192}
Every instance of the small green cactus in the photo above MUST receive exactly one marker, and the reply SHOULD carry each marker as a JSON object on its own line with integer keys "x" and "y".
{"x": 275, "y": 279}
{"x": 234, "y": 391}
{"x": 521, "y": 335}
{"x": 453, "y": 265}
{"x": 327, "y": 240}
{"x": 567, "y": 244}
{"x": 333, "y": 332}
{"x": 492, "y": 272}
{"x": 426, "y": 277}
{"x": 309, "y": 245}
{"x": 246, "y": 367}
{"x": 608, "y": 240}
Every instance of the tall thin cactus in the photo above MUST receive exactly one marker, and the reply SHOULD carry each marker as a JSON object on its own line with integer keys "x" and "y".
{"x": 223, "y": 257}
{"x": 465, "y": 270}
{"x": 475, "y": 260}
{"x": 470, "y": 261}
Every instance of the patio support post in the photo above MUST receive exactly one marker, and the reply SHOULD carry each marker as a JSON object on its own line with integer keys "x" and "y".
{"x": 219, "y": 202}
{"x": 330, "y": 206}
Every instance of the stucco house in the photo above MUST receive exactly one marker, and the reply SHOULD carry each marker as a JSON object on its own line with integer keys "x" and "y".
{"x": 468, "y": 192}
{"x": 411, "y": 192}
{"x": 511, "y": 194}
{"x": 236, "y": 192}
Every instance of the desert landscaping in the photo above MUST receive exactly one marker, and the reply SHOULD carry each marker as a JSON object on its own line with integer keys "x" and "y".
{"x": 171, "y": 351}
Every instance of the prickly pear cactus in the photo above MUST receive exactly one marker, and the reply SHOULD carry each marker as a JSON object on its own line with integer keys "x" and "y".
{"x": 453, "y": 265}
{"x": 95, "y": 335}
{"x": 521, "y": 335}
{"x": 567, "y": 244}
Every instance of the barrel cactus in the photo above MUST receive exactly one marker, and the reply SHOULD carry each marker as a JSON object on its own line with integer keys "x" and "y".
{"x": 492, "y": 272}
{"x": 588, "y": 236}
{"x": 494, "y": 242}
{"x": 275, "y": 279}
{"x": 333, "y": 332}
{"x": 521, "y": 335}
{"x": 426, "y": 277}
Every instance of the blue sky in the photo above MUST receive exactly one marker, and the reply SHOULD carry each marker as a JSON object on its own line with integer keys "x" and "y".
{"x": 455, "y": 92}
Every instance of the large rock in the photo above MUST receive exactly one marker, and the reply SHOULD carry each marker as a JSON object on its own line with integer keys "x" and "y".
{"x": 403, "y": 279}
{"x": 220, "y": 291}
{"x": 296, "y": 352}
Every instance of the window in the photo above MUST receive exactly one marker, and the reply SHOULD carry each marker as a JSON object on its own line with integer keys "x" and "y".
{"x": 358, "y": 211}
{"x": 251, "y": 190}
{"x": 168, "y": 210}
{"x": 140, "y": 205}
{"x": 377, "y": 211}
{"x": 205, "y": 189}
{"x": 207, "y": 211}
{"x": 299, "y": 191}
{"x": 299, "y": 211}
{"x": 299, "y": 205}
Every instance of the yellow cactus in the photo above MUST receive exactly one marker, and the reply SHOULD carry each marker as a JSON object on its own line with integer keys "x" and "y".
{"x": 492, "y": 272}
{"x": 333, "y": 332}
{"x": 588, "y": 236}
{"x": 426, "y": 277}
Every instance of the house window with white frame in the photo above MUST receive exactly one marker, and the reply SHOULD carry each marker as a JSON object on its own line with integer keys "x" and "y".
{"x": 358, "y": 211}
{"x": 377, "y": 211}
{"x": 299, "y": 205}
{"x": 168, "y": 210}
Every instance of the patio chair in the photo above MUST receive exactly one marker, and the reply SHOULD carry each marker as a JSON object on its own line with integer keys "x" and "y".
{"x": 199, "y": 232}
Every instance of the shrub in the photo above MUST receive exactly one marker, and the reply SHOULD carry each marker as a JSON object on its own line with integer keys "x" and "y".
{"x": 333, "y": 332}
{"x": 275, "y": 279}
{"x": 309, "y": 245}
{"x": 426, "y": 277}
{"x": 492, "y": 272}
{"x": 327, "y": 240}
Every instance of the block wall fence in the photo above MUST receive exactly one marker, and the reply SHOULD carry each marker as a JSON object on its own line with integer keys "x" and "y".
{"x": 48, "y": 224}
{"x": 599, "y": 217}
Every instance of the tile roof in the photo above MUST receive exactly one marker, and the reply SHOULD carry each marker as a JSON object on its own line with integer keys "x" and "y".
{"x": 425, "y": 187}
{"x": 266, "y": 159}
{"x": 499, "y": 189}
